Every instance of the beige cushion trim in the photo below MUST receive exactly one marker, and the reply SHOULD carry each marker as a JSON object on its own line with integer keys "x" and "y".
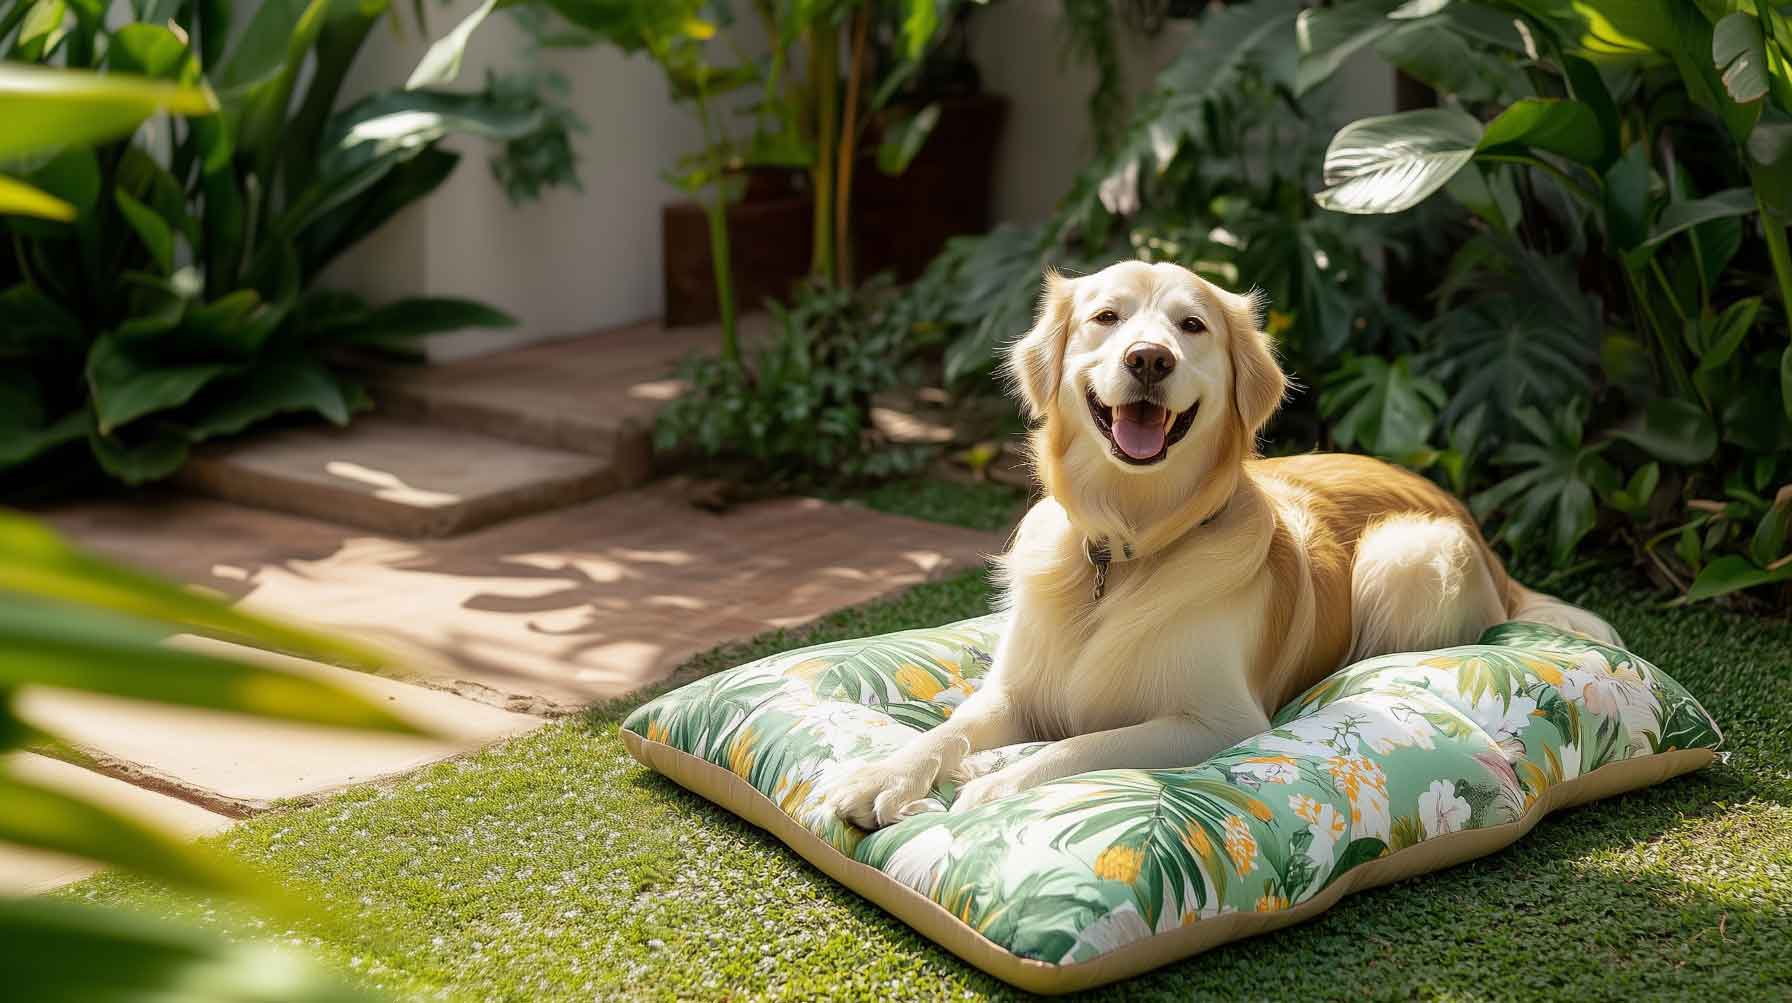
{"x": 932, "y": 921}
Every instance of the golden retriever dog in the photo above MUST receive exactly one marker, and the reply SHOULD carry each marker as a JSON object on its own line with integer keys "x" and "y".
{"x": 1173, "y": 589}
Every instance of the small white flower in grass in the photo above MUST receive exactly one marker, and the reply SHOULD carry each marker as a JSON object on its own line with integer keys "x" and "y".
{"x": 1441, "y": 810}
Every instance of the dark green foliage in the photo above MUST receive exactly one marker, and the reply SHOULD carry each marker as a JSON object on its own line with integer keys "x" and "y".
{"x": 181, "y": 304}
{"x": 1624, "y": 304}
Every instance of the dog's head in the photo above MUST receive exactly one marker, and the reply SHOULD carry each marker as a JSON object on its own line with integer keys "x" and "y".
{"x": 1143, "y": 364}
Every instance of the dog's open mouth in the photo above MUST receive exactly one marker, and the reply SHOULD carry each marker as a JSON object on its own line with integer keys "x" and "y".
{"x": 1140, "y": 432}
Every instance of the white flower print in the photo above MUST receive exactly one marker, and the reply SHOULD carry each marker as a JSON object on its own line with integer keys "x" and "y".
{"x": 1441, "y": 810}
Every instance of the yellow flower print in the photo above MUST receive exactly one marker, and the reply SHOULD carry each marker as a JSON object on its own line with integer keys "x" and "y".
{"x": 1356, "y": 775}
{"x": 1260, "y": 811}
{"x": 658, "y": 731}
{"x": 918, "y": 682}
{"x": 1272, "y": 903}
{"x": 741, "y": 753}
{"x": 1119, "y": 863}
{"x": 809, "y": 669}
{"x": 1196, "y": 839}
{"x": 1545, "y": 670}
{"x": 959, "y": 682}
{"x": 1241, "y": 846}
{"x": 791, "y": 796}
{"x": 1304, "y": 807}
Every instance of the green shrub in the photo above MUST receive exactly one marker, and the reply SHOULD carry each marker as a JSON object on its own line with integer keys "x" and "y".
{"x": 1587, "y": 336}
{"x": 801, "y": 410}
{"x": 165, "y": 291}
{"x": 1629, "y": 165}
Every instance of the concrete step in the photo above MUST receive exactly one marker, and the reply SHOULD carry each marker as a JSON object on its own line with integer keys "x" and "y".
{"x": 28, "y": 872}
{"x": 235, "y": 765}
{"x": 587, "y": 394}
{"x": 406, "y": 478}
{"x": 545, "y": 614}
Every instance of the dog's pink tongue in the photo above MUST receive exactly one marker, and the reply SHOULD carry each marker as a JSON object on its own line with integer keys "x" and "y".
{"x": 1139, "y": 430}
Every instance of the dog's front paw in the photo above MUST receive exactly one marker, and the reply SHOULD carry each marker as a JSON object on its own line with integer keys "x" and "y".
{"x": 994, "y": 786}
{"x": 885, "y": 792}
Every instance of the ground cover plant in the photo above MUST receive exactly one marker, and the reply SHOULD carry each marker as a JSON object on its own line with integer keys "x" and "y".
{"x": 555, "y": 867}
{"x": 160, "y": 287}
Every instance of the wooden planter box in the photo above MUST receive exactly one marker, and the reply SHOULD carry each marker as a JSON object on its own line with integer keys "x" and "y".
{"x": 899, "y": 224}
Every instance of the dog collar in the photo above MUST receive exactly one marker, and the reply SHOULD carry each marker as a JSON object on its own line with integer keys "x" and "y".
{"x": 1100, "y": 554}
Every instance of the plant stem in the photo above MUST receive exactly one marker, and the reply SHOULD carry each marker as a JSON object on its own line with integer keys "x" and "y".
{"x": 1670, "y": 356}
{"x": 720, "y": 258}
{"x": 1777, "y": 250}
{"x": 849, "y": 131}
{"x": 824, "y": 58}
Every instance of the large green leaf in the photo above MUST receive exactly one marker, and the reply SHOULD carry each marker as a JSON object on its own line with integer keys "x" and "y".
{"x": 335, "y": 230}
{"x": 47, "y": 819}
{"x": 126, "y": 386}
{"x": 904, "y": 138}
{"x": 151, "y": 229}
{"x": 1391, "y": 163}
{"x": 63, "y": 952}
{"x": 1679, "y": 217}
{"x": 1380, "y": 407}
{"x": 141, "y": 454}
{"x": 366, "y": 141}
{"x": 1556, "y": 482}
{"x": 35, "y": 561}
{"x": 1733, "y": 573}
{"x": 1556, "y": 125}
{"x": 1329, "y": 36}
{"x": 20, "y": 199}
{"x": 76, "y": 648}
{"x": 257, "y": 76}
{"x": 1508, "y": 352}
{"x": 417, "y": 317}
{"x": 268, "y": 389}
{"x": 1673, "y": 430}
{"x": 1740, "y": 52}
{"x": 48, "y": 108}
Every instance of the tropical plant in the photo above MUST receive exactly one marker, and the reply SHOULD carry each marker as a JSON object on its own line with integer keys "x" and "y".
{"x": 1630, "y": 166}
{"x": 160, "y": 285}
{"x": 815, "y": 120}
{"x": 72, "y": 621}
{"x": 802, "y": 411}
{"x": 1211, "y": 172}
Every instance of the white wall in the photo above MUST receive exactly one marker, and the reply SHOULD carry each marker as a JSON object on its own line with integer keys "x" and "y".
{"x": 569, "y": 263}
{"x": 580, "y": 261}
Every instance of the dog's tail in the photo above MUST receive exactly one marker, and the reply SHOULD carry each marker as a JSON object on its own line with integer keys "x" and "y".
{"x": 1537, "y": 607}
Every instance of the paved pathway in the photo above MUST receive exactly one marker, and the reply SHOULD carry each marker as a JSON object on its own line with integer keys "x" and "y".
{"x": 571, "y": 593}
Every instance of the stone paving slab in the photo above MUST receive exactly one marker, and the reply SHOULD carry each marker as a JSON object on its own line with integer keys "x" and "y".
{"x": 592, "y": 393}
{"x": 404, "y": 478}
{"x": 236, "y": 765}
{"x": 547, "y": 614}
{"x": 28, "y": 872}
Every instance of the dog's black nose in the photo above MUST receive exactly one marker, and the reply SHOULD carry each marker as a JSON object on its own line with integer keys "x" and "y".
{"x": 1148, "y": 362}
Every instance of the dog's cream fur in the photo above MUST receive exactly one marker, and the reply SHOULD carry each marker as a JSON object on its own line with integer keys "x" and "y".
{"x": 1250, "y": 580}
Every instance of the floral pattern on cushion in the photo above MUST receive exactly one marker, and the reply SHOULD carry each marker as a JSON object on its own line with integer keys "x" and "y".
{"x": 1384, "y": 754}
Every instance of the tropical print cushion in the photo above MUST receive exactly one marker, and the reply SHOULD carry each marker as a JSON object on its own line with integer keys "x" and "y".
{"x": 1384, "y": 756}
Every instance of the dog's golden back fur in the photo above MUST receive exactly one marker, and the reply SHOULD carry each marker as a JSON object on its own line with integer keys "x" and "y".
{"x": 1327, "y": 501}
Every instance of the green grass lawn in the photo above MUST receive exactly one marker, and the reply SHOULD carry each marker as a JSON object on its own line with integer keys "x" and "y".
{"x": 554, "y": 867}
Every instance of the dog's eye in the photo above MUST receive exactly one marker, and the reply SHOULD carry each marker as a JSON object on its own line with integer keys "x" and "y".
{"x": 1107, "y": 318}
{"x": 1193, "y": 325}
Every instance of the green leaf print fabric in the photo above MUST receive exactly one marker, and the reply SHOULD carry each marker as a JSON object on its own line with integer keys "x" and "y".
{"x": 1382, "y": 756}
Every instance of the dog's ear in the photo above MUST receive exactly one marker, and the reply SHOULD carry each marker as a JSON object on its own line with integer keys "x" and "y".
{"x": 1258, "y": 383}
{"x": 1036, "y": 361}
